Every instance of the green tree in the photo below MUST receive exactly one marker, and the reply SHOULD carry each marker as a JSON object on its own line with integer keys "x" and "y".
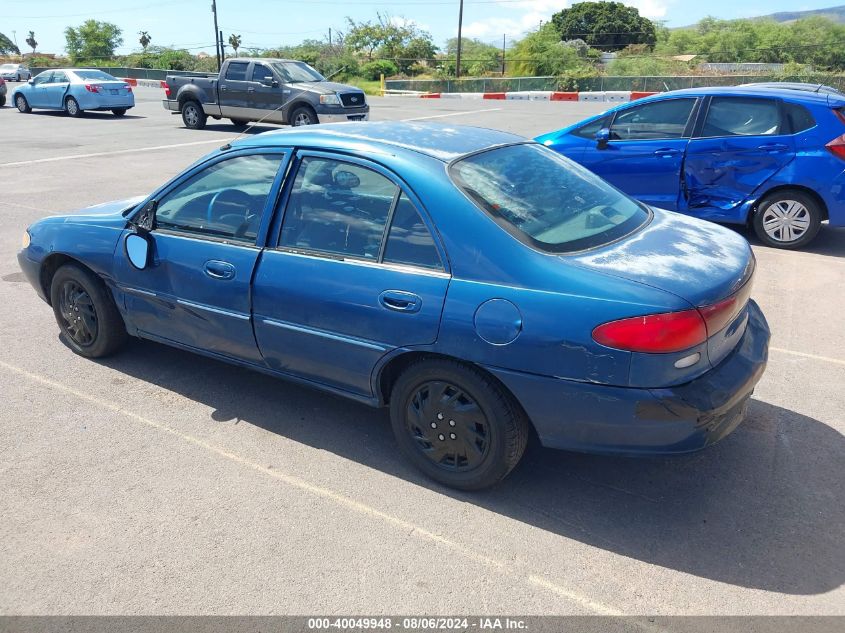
{"x": 144, "y": 40}
{"x": 542, "y": 53}
{"x": 400, "y": 41}
{"x": 605, "y": 25}
{"x": 92, "y": 40}
{"x": 235, "y": 42}
{"x": 30, "y": 41}
{"x": 7, "y": 46}
{"x": 477, "y": 57}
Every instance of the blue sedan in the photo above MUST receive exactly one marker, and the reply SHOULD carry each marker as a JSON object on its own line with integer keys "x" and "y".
{"x": 481, "y": 286}
{"x": 74, "y": 90}
{"x": 773, "y": 159}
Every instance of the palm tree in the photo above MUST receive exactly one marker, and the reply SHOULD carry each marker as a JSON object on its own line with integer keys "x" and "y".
{"x": 30, "y": 41}
{"x": 145, "y": 39}
{"x": 235, "y": 42}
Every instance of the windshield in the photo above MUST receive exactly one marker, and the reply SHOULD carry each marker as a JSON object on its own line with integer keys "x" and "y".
{"x": 546, "y": 200}
{"x": 294, "y": 72}
{"x": 8, "y": 66}
{"x": 94, "y": 74}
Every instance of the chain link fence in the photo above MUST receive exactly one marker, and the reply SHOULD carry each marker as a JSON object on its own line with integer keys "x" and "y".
{"x": 600, "y": 84}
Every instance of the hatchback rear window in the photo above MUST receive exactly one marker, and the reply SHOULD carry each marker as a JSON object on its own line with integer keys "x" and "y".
{"x": 798, "y": 118}
{"x": 546, "y": 200}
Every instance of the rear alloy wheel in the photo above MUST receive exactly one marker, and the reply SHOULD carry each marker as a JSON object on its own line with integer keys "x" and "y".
{"x": 193, "y": 116}
{"x": 456, "y": 424}
{"x": 787, "y": 219}
{"x": 22, "y": 105}
{"x": 119, "y": 111}
{"x": 303, "y": 115}
{"x": 86, "y": 313}
{"x": 72, "y": 107}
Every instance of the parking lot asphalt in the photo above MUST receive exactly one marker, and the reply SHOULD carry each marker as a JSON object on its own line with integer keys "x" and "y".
{"x": 159, "y": 482}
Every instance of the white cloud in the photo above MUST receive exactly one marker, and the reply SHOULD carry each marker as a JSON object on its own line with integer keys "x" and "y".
{"x": 532, "y": 12}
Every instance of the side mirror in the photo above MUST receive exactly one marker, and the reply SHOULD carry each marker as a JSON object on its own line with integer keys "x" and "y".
{"x": 145, "y": 219}
{"x": 346, "y": 179}
{"x": 138, "y": 250}
{"x": 269, "y": 81}
{"x": 602, "y": 138}
{"x": 31, "y": 81}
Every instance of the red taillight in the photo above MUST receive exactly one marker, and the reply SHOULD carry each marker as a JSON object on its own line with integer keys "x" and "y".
{"x": 837, "y": 147}
{"x": 166, "y": 90}
{"x": 93, "y": 88}
{"x": 668, "y": 332}
{"x": 128, "y": 88}
{"x": 654, "y": 333}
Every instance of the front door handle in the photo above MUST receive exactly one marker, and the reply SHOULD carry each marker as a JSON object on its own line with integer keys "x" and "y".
{"x": 666, "y": 152}
{"x": 250, "y": 89}
{"x": 400, "y": 301}
{"x": 774, "y": 147}
{"x": 219, "y": 270}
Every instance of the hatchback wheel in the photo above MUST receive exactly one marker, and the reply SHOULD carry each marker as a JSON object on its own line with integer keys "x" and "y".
{"x": 72, "y": 107}
{"x": 86, "y": 313}
{"x": 22, "y": 105}
{"x": 456, "y": 424}
{"x": 787, "y": 219}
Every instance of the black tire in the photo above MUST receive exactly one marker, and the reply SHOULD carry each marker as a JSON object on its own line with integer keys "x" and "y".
{"x": 2, "y": 100}
{"x": 239, "y": 123}
{"x": 193, "y": 116}
{"x": 787, "y": 219}
{"x": 72, "y": 108}
{"x": 476, "y": 433}
{"x": 22, "y": 104}
{"x": 119, "y": 111}
{"x": 85, "y": 311}
{"x": 303, "y": 115}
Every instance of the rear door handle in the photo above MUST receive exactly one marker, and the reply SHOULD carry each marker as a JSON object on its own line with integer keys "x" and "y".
{"x": 219, "y": 270}
{"x": 774, "y": 147}
{"x": 667, "y": 152}
{"x": 400, "y": 301}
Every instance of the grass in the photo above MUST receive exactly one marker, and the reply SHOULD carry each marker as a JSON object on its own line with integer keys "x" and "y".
{"x": 368, "y": 86}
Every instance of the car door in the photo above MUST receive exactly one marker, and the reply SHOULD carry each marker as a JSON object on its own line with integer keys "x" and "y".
{"x": 266, "y": 95}
{"x": 233, "y": 90}
{"x": 205, "y": 245}
{"x": 37, "y": 94}
{"x": 56, "y": 89}
{"x": 355, "y": 274}
{"x": 742, "y": 142}
{"x": 645, "y": 151}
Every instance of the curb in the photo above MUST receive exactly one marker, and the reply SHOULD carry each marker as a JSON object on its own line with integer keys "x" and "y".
{"x": 611, "y": 96}
{"x": 145, "y": 83}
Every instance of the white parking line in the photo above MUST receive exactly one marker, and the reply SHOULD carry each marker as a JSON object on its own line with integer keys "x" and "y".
{"x": 826, "y": 359}
{"x": 114, "y": 153}
{"x": 440, "y": 116}
{"x": 407, "y": 527}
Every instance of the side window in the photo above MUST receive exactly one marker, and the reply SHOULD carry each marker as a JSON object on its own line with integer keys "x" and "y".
{"x": 656, "y": 120}
{"x": 58, "y": 78}
{"x": 337, "y": 207}
{"x": 409, "y": 241}
{"x": 741, "y": 116}
{"x": 259, "y": 72}
{"x": 590, "y": 130}
{"x": 798, "y": 118}
{"x": 224, "y": 201}
{"x": 236, "y": 71}
{"x": 43, "y": 78}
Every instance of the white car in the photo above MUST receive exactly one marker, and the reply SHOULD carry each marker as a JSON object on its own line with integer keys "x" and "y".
{"x": 15, "y": 72}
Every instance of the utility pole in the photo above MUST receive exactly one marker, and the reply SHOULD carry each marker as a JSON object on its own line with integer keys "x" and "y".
{"x": 503, "y": 54}
{"x": 15, "y": 37}
{"x": 330, "y": 38}
{"x": 222, "y": 47}
{"x": 216, "y": 42}
{"x": 460, "y": 26}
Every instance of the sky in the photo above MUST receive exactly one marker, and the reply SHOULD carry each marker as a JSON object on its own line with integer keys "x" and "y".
{"x": 267, "y": 23}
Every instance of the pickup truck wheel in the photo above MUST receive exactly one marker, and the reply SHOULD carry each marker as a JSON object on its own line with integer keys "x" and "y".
{"x": 456, "y": 424}
{"x": 303, "y": 115}
{"x": 192, "y": 115}
{"x": 239, "y": 123}
{"x": 85, "y": 311}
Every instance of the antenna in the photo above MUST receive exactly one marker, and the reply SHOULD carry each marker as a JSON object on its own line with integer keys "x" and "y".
{"x": 253, "y": 124}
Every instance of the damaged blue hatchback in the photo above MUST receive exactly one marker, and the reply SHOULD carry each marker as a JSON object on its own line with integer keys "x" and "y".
{"x": 476, "y": 283}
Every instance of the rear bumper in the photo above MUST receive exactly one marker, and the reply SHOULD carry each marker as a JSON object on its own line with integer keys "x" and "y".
{"x": 615, "y": 420}
{"x": 170, "y": 104}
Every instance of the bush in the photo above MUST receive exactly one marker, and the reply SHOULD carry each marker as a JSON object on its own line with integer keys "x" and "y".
{"x": 374, "y": 70}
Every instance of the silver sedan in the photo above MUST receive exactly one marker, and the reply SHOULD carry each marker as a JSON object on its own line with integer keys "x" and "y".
{"x": 15, "y": 72}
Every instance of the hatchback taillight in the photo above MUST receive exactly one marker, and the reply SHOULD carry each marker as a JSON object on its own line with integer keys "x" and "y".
{"x": 837, "y": 147}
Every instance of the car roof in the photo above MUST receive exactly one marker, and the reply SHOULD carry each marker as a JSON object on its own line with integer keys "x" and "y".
{"x": 437, "y": 140}
{"x": 821, "y": 98}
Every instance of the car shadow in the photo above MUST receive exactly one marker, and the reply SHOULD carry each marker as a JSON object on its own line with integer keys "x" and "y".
{"x": 829, "y": 241}
{"x": 88, "y": 114}
{"x": 231, "y": 129}
{"x": 764, "y": 508}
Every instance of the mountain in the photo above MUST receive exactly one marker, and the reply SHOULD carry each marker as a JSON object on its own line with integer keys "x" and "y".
{"x": 837, "y": 14}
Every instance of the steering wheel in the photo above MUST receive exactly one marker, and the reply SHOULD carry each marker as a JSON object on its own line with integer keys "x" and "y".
{"x": 236, "y": 200}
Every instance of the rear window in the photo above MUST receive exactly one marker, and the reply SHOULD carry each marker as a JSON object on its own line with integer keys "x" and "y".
{"x": 741, "y": 116}
{"x": 97, "y": 75}
{"x": 798, "y": 118}
{"x": 546, "y": 200}
{"x": 236, "y": 71}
